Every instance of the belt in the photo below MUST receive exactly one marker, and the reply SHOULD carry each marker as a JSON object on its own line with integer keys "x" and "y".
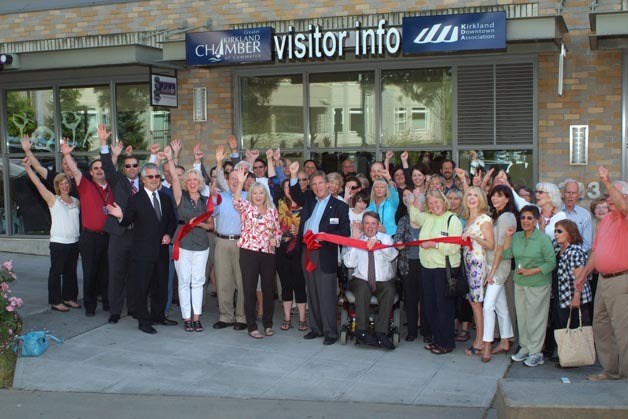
{"x": 228, "y": 237}
{"x": 613, "y": 275}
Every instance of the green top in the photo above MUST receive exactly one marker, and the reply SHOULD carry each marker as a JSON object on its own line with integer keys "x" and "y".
{"x": 535, "y": 251}
{"x": 433, "y": 226}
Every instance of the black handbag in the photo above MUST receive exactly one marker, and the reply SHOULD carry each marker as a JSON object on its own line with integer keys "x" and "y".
{"x": 457, "y": 284}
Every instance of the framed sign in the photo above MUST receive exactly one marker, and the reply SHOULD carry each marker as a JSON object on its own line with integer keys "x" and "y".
{"x": 163, "y": 91}
{"x": 228, "y": 47}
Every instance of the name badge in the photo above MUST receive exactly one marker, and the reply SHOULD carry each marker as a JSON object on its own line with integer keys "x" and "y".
{"x": 334, "y": 221}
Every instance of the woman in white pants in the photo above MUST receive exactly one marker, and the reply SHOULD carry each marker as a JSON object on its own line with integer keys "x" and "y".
{"x": 194, "y": 247}
{"x": 504, "y": 210}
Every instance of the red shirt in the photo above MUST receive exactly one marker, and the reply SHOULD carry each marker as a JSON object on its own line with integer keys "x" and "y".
{"x": 93, "y": 201}
{"x": 610, "y": 244}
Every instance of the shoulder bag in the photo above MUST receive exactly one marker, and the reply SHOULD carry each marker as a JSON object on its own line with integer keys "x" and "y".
{"x": 575, "y": 346}
{"x": 457, "y": 284}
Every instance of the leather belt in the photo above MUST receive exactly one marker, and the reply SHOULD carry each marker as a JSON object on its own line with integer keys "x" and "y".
{"x": 228, "y": 237}
{"x": 613, "y": 275}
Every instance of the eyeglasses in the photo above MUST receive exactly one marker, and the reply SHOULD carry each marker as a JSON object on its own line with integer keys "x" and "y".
{"x": 258, "y": 167}
{"x": 527, "y": 217}
{"x": 128, "y": 166}
{"x": 558, "y": 231}
{"x": 302, "y": 179}
{"x": 152, "y": 176}
{"x": 96, "y": 167}
{"x": 540, "y": 192}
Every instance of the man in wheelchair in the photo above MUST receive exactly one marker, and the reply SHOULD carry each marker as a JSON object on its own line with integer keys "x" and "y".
{"x": 374, "y": 274}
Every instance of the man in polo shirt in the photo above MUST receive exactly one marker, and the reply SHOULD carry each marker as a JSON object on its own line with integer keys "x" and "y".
{"x": 610, "y": 319}
{"x": 572, "y": 192}
{"x": 227, "y": 259}
{"x": 95, "y": 195}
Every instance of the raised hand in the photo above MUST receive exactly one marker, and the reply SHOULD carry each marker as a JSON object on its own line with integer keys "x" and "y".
{"x": 198, "y": 153}
{"x": 220, "y": 153}
{"x": 26, "y": 143}
{"x": 116, "y": 150}
{"x": 65, "y": 147}
{"x": 128, "y": 150}
{"x": 603, "y": 173}
{"x": 254, "y": 154}
{"x": 404, "y": 156}
{"x": 233, "y": 143}
{"x": 356, "y": 230}
{"x": 277, "y": 154}
{"x": 241, "y": 173}
{"x": 168, "y": 152}
{"x": 154, "y": 148}
{"x": 176, "y": 145}
{"x": 460, "y": 172}
{"x": 390, "y": 155}
{"x": 102, "y": 133}
{"x": 269, "y": 154}
{"x": 294, "y": 168}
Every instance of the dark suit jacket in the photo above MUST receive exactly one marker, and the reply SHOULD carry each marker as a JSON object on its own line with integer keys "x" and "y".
{"x": 149, "y": 230}
{"x": 336, "y": 209}
{"x": 121, "y": 188}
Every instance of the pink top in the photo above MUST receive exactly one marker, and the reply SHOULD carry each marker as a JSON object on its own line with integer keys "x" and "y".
{"x": 257, "y": 228}
{"x": 610, "y": 244}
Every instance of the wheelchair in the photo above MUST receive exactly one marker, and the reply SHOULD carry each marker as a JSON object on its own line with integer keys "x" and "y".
{"x": 348, "y": 322}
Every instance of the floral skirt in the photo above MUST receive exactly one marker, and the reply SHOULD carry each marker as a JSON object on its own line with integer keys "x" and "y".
{"x": 476, "y": 272}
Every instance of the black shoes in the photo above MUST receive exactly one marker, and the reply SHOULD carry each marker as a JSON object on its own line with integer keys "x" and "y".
{"x": 166, "y": 322}
{"x": 384, "y": 342}
{"x": 221, "y": 325}
{"x": 113, "y": 319}
{"x": 239, "y": 326}
{"x": 312, "y": 335}
{"x": 329, "y": 340}
{"x": 147, "y": 329}
{"x": 90, "y": 313}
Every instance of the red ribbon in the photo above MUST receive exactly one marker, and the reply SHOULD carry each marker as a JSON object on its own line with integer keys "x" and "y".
{"x": 313, "y": 242}
{"x": 185, "y": 230}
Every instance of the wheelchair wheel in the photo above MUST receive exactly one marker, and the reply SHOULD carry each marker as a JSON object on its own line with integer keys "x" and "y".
{"x": 395, "y": 339}
{"x": 343, "y": 335}
{"x": 344, "y": 321}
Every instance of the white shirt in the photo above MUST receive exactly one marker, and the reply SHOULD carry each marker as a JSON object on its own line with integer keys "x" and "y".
{"x": 385, "y": 267}
{"x": 150, "y": 196}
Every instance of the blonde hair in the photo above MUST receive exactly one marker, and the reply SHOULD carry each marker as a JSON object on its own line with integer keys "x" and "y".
{"x": 375, "y": 182}
{"x": 267, "y": 199}
{"x": 57, "y": 180}
{"x": 482, "y": 206}
{"x": 437, "y": 195}
{"x": 199, "y": 176}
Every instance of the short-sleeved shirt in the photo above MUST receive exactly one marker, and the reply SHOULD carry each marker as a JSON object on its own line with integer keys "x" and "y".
{"x": 610, "y": 244}
{"x": 94, "y": 199}
{"x": 197, "y": 239}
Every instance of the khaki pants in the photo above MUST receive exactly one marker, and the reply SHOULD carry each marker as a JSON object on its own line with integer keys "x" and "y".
{"x": 228, "y": 280}
{"x": 532, "y": 305}
{"x": 610, "y": 325}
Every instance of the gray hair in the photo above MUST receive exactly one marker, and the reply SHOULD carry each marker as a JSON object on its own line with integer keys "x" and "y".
{"x": 580, "y": 185}
{"x": 149, "y": 166}
{"x": 553, "y": 192}
{"x": 241, "y": 163}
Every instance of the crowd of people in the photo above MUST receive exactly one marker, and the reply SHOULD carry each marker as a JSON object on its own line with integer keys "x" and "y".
{"x": 233, "y": 228}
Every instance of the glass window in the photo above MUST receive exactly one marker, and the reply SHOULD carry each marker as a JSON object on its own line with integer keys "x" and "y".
{"x": 272, "y": 112}
{"x": 82, "y": 109}
{"x": 30, "y": 112}
{"x": 332, "y": 161}
{"x": 517, "y": 163}
{"x": 426, "y": 159}
{"x": 336, "y": 95}
{"x": 140, "y": 124}
{"x": 424, "y": 97}
{"x": 29, "y": 212}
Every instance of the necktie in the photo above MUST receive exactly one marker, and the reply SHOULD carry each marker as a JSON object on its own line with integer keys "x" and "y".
{"x": 133, "y": 188}
{"x": 371, "y": 271}
{"x": 156, "y": 206}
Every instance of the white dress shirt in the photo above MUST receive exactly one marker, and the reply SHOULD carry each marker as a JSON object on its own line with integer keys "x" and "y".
{"x": 385, "y": 266}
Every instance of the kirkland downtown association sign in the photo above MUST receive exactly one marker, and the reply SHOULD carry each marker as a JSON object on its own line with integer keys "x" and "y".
{"x": 463, "y": 32}
{"x": 228, "y": 47}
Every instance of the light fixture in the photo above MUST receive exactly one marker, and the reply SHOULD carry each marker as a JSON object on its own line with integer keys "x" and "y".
{"x": 200, "y": 104}
{"x": 578, "y": 144}
{"x": 6, "y": 59}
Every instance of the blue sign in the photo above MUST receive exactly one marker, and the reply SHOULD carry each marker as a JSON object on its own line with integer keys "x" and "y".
{"x": 463, "y": 32}
{"x": 228, "y": 47}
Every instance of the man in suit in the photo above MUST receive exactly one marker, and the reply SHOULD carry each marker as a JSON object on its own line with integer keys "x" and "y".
{"x": 152, "y": 215}
{"x": 321, "y": 213}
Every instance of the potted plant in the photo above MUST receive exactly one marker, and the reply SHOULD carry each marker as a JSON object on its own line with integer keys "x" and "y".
{"x": 10, "y": 324}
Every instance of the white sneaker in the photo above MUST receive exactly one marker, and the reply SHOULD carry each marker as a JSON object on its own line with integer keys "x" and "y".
{"x": 534, "y": 360}
{"x": 519, "y": 356}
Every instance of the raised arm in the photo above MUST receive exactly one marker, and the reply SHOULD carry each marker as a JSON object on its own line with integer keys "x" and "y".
{"x": 41, "y": 188}
{"x": 176, "y": 184}
{"x": 220, "y": 173}
{"x": 618, "y": 198}
{"x": 36, "y": 165}
{"x": 270, "y": 163}
{"x": 66, "y": 150}
{"x": 177, "y": 146}
{"x": 241, "y": 172}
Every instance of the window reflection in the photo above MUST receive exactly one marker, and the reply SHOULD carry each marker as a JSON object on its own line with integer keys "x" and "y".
{"x": 416, "y": 107}
{"x": 332, "y": 161}
{"x": 516, "y": 163}
{"x": 342, "y": 109}
{"x": 82, "y": 109}
{"x": 272, "y": 112}
{"x": 139, "y": 124}
{"x": 29, "y": 212}
{"x": 31, "y": 112}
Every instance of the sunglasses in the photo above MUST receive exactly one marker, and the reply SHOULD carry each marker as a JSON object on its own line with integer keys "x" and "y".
{"x": 96, "y": 167}
{"x": 558, "y": 231}
{"x": 258, "y": 167}
{"x": 128, "y": 166}
{"x": 540, "y": 192}
{"x": 152, "y": 176}
{"x": 527, "y": 217}
{"x": 302, "y": 179}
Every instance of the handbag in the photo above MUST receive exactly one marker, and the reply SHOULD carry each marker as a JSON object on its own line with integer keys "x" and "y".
{"x": 35, "y": 343}
{"x": 457, "y": 284}
{"x": 575, "y": 346}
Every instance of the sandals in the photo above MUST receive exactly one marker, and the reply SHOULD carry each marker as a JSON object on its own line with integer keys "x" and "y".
{"x": 286, "y": 324}
{"x": 72, "y": 304}
{"x": 188, "y": 326}
{"x": 463, "y": 336}
{"x": 438, "y": 350}
{"x": 472, "y": 350}
{"x": 302, "y": 327}
{"x": 500, "y": 350}
{"x": 430, "y": 346}
{"x": 198, "y": 327}
{"x": 60, "y": 307}
{"x": 255, "y": 334}
{"x": 269, "y": 331}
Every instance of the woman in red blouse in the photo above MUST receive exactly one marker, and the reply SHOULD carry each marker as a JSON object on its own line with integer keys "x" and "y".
{"x": 260, "y": 236}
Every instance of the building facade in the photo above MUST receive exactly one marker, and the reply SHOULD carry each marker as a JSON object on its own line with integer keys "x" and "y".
{"x": 550, "y": 104}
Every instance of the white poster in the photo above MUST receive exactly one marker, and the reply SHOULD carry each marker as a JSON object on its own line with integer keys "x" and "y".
{"x": 163, "y": 91}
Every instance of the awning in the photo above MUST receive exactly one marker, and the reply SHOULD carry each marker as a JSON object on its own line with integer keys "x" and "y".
{"x": 609, "y": 30}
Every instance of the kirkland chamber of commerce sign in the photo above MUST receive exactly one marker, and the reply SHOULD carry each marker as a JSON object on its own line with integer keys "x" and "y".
{"x": 421, "y": 34}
